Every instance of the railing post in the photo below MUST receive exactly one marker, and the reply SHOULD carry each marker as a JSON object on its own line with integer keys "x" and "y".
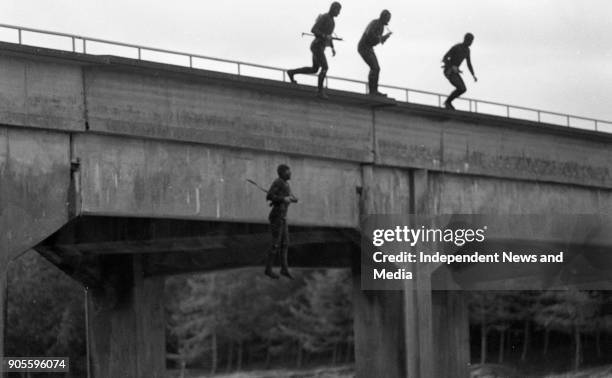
{"x": 190, "y": 61}
{"x": 439, "y": 101}
{"x": 539, "y": 117}
{"x": 568, "y": 120}
{"x": 19, "y": 35}
{"x": 73, "y": 45}
{"x": 139, "y": 54}
{"x": 326, "y": 83}
{"x": 84, "y": 46}
{"x": 238, "y": 64}
{"x": 283, "y": 76}
{"x": 407, "y": 92}
{"x": 475, "y": 106}
{"x": 507, "y": 111}
{"x": 595, "y": 125}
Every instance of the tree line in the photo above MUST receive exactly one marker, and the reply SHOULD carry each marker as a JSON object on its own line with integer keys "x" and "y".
{"x": 572, "y": 314}
{"x": 229, "y": 320}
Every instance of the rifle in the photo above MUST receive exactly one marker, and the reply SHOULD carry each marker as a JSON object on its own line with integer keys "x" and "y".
{"x": 258, "y": 187}
{"x": 293, "y": 198}
{"x": 333, "y": 38}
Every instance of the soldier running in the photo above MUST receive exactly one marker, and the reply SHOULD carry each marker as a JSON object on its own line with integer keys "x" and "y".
{"x": 322, "y": 30}
{"x": 280, "y": 197}
{"x": 452, "y": 60}
{"x": 372, "y": 36}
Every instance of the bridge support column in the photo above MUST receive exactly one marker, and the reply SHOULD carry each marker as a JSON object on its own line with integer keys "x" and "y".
{"x": 3, "y": 274}
{"x": 451, "y": 334}
{"x": 379, "y": 319}
{"x": 126, "y": 328}
{"x": 34, "y": 188}
{"x": 378, "y": 328}
{"x": 417, "y": 332}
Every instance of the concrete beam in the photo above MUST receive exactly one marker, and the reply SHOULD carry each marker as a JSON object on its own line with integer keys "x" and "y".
{"x": 179, "y": 108}
{"x": 171, "y": 246}
{"x": 200, "y": 244}
{"x": 465, "y": 194}
{"x": 165, "y": 106}
{"x": 41, "y": 93}
{"x": 474, "y": 145}
{"x": 160, "y": 179}
{"x": 301, "y": 255}
{"x": 59, "y": 90}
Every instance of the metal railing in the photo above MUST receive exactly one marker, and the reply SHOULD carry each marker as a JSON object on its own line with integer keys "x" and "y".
{"x": 80, "y": 44}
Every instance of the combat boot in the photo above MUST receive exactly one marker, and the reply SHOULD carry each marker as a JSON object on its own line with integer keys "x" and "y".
{"x": 268, "y": 271}
{"x": 284, "y": 264}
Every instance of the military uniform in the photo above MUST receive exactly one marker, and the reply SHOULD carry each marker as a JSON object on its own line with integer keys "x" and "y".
{"x": 371, "y": 37}
{"x": 323, "y": 27}
{"x": 279, "y": 190}
{"x": 452, "y": 60}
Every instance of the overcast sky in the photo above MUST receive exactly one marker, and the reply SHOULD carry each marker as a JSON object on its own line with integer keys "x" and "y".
{"x": 549, "y": 54}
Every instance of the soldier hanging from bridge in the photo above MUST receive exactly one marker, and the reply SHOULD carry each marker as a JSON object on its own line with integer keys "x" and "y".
{"x": 372, "y": 36}
{"x": 322, "y": 31}
{"x": 280, "y": 197}
{"x": 452, "y": 60}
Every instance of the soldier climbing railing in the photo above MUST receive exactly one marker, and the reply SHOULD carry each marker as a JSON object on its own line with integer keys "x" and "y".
{"x": 85, "y": 45}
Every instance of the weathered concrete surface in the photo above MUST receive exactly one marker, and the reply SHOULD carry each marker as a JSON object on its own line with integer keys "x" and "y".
{"x": 430, "y": 313}
{"x": 41, "y": 93}
{"x": 34, "y": 185}
{"x": 378, "y": 331}
{"x": 126, "y": 322}
{"x": 149, "y": 100}
{"x": 35, "y": 180}
{"x": 464, "y": 194}
{"x": 148, "y": 178}
{"x": 385, "y": 190}
{"x": 412, "y": 313}
{"x": 451, "y": 334}
{"x": 379, "y": 316}
{"x": 185, "y": 108}
{"x": 3, "y": 282}
{"x": 493, "y": 146}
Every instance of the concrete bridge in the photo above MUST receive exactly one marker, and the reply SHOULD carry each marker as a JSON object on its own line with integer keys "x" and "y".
{"x": 121, "y": 171}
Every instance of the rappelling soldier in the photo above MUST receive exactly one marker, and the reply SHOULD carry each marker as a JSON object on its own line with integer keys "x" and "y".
{"x": 280, "y": 197}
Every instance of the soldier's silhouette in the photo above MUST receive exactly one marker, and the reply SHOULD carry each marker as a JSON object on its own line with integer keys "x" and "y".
{"x": 372, "y": 36}
{"x": 322, "y": 30}
{"x": 452, "y": 60}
